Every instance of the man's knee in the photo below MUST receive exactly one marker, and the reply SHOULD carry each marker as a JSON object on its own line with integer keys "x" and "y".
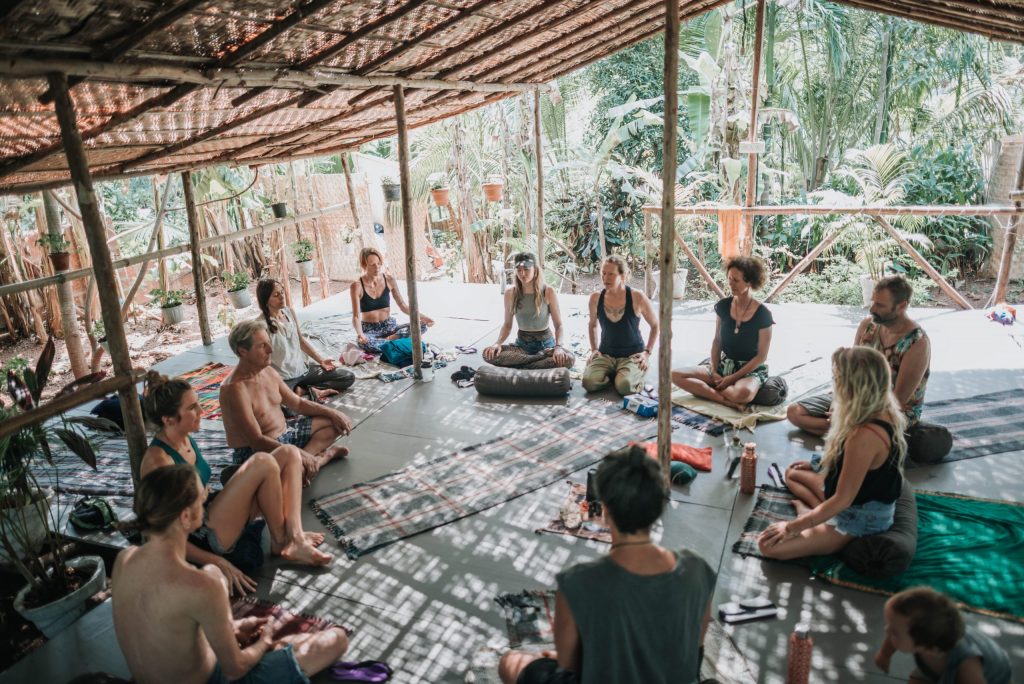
{"x": 286, "y": 454}
{"x": 626, "y": 383}
{"x": 595, "y": 382}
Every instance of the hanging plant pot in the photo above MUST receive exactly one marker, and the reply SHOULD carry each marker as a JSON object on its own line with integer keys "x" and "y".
{"x": 173, "y": 314}
{"x": 52, "y": 618}
{"x": 28, "y": 524}
{"x": 106, "y": 345}
{"x": 392, "y": 193}
{"x": 867, "y": 287}
{"x": 305, "y": 267}
{"x": 280, "y": 209}
{"x": 440, "y": 196}
{"x": 494, "y": 192}
{"x": 61, "y": 261}
{"x": 240, "y": 299}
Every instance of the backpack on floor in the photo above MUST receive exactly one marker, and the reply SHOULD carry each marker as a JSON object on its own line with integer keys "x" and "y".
{"x": 399, "y": 352}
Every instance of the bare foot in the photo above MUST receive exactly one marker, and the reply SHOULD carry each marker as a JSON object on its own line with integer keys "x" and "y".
{"x": 331, "y": 453}
{"x": 800, "y": 507}
{"x": 320, "y": 395}
{"x": 314, "y": 538}
{"x": 304, "y": 554}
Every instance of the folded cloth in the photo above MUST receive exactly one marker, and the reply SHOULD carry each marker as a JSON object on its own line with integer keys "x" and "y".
{"x": 698, "y": 457}
{"x": 352, "y": 355}
{"x": 366, "y": 671}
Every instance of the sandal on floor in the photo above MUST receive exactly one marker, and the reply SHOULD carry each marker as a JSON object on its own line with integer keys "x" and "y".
{"x": 464, "y": 373}
{"x": 366, "y": 671}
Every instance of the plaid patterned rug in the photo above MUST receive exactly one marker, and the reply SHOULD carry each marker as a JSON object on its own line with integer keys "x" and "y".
{"x": 206, "y": 381}
{"x": 113, "y": 474}
{"x": 330, "y": 334}
{"x": 576, "y": 495}
{"x": 981, "y": 425}
{"x": 445, "y": 488}
{"x": 970, "y": 549}
{"x": 287, "y": 623}
{"x": 698, "y": 421}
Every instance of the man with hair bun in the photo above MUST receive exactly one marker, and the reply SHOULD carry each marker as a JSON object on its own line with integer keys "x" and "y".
{"x": 251, "y": 399}
{"x": 907, "y": 348}
{"x": 173, "y": 621}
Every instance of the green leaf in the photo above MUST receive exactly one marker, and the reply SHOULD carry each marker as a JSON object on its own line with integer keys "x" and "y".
{"x": 78, "y": 444}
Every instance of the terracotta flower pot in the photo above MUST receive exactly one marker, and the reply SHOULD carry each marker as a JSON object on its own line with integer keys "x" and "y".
{"x": 440, "y": 196}
{"x": 494, "y": 192}
{"x": 392, "y": 193}
{"x": 61, "y": 261}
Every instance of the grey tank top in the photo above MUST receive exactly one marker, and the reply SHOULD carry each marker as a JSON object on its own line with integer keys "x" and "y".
{"x": 529, "y": 317}
{"x": 994, "y": 661}
{"x": 638, "y": 628}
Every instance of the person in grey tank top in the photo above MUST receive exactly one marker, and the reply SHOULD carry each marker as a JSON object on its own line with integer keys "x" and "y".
{"x": 636, "y": 615}
{"x": 928, "y": 625}
{"x": 535, "y": 307}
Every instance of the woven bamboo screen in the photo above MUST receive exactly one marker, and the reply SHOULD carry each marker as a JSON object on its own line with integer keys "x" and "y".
{"x": 135, "y": 121}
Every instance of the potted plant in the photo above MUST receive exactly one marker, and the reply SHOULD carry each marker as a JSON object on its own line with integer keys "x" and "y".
{"x": 392, "y": 191}
{"x": 57, "y": 586}
{"x": 99, "y": 331}
{"x": 303, "y": 250}
{"x": 494, "y": 190}
{"x": 439, "y": 191}
{"x": 280, "y": 209}
{"x": 348, "y": 237}
{"x": 237, "y": 284}
{"x": 57, "y": 248}
{"x": 171, "y": 309}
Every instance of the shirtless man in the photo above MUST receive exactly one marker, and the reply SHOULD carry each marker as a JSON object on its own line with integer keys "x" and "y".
{"x": 251, "y": 399}
{"x": 173, "y": 622}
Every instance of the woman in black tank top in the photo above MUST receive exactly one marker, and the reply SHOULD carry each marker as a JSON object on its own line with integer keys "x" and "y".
{"x": 371, "y": 304}
{"x": 861, "y": 475}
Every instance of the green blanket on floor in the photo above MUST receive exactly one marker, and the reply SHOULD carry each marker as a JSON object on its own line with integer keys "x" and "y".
{"x": 971, "y": 549}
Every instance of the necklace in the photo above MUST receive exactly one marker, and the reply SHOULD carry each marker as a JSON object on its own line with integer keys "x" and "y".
{"x": 631, "y": 543}
{"x": 736, "y": 330}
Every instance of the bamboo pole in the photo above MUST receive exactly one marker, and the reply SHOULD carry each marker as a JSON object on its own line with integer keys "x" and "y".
{"x": 125, "y": 262}
{"x": 66, "y": 297}
{"x": 153, "y": 242}
{"x": 755, "y": 92}
{"x": 538, "y": 151}
{"x": 667, "y": 258}
{"x": 405, "y": 180}
{"x": 803, "y": 264}
{"x": 197, "y": 257}
{"x": 351, "y": 195}
{"x": 648, "y": 258}
{"x": 106, "y": 280}
{"x": 1010, "y": 239}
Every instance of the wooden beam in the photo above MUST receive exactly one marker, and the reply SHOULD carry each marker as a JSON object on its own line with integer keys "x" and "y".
{"x": 351, "y": 195}
{"x": 405, "y": 181}
{"x": 698, "y": 264}
{"x": 747, "y": 224}
{"x": 197, "y": 257}
{"x": 648, "y": 257}
{"x": 66, "y": 297}
{"x": 667, "y": 258}
{"x": 865, "y": 210}
{"x": 1010, "y": 239}
{"x": 803, "y": 264}
{"x": 923, "y": 263}
{"x": 106, "y": 279}
{"x": 939, "y": 19}
{"x": 538, "y": 150}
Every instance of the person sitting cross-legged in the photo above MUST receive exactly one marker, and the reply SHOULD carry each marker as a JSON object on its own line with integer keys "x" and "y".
{"x": 861, "y": 476}
{"x": 908, "y": 350}
{"x": 371, "y": 304}
{"x": 268, "y": 484}
{"x": 622, "y": 358}
{"x": 736, "y": 368}
{"x": 251, "y": 398}
{"x": 173, "y": 621}
{"x": 636, "y": 615}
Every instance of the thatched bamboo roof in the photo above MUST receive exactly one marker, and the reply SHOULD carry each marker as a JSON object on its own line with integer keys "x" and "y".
{"x": 186, "y": 83}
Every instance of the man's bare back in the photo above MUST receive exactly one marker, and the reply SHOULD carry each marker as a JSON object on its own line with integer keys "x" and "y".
{"x": 245, "y": 398}
{"x": 154, "y": 596}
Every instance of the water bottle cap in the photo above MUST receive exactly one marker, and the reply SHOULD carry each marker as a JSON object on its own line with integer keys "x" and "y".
{"x": 801, "y": 631}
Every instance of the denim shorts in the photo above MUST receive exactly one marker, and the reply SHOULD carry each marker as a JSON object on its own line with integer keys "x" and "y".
{"x": 861, "y": 520}
{"x": 275, "y": 667}
{"x": 535, "y": 342}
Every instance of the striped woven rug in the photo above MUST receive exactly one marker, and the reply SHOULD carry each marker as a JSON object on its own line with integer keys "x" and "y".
{"x": 982, "y": 425}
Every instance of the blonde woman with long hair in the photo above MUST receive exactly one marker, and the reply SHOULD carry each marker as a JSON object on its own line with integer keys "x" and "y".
{"x": 535, "y": 307}
{"x": 861, "y": 475}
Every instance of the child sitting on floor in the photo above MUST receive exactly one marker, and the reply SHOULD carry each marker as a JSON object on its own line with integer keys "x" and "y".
{"x": 927, "y": 624}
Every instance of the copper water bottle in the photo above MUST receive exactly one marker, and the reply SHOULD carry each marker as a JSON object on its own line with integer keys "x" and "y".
{"x": 748, "y": 468}
{"x": 800, "y": 646}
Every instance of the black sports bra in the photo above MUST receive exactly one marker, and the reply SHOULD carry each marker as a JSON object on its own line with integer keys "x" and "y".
{"x": 368, "y": 303}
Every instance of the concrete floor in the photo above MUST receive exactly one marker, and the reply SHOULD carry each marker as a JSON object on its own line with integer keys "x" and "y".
{"x": 425, "y": 604}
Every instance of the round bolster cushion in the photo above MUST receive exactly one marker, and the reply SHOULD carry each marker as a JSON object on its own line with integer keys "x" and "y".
{"x": 496, "y": 381}
{"x": 773, "y": 392}
{"x": 888, "y": 553}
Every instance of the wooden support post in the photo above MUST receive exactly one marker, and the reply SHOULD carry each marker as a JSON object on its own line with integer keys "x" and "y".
{"x": 1010, "y": 239}
{"x": 923, "y": 263}
{"x": 747, "y": 222}
{"x": 78, "y": 166}
{"x": 405, "y": 181}
{"x": 667, "y": 258}
{"x": 804, "y": 263}
{"x": 538, "y": 150}
{"x": 66, "y": 297}
{"x": 698, "y": 264}
{"x": 648, "y": 257}
{"x": 197, "y": 258}
{"x": 351, "y": 195}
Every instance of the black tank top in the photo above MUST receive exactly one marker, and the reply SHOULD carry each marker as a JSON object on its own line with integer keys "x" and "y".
{"x": 368, "y": 303}
{"x": 622, "y": 337}
{"x": 883, "y": 484}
